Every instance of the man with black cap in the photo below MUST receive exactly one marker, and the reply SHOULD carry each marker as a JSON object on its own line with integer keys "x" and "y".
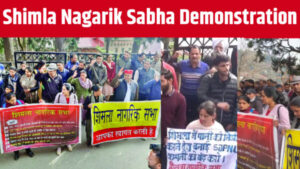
{"x": 51, "y": 82}
{"x": 255, "y": 101}
{"x": 96, "y": 97}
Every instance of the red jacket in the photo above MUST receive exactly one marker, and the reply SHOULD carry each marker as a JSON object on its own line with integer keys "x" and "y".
{"x": 111, "y": 71}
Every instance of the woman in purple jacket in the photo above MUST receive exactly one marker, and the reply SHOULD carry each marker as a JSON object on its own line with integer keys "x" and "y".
{"x": 275, "y": 109}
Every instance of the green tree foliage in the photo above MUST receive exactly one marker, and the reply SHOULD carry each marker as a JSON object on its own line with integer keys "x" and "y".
{"x": 284, "y": 54}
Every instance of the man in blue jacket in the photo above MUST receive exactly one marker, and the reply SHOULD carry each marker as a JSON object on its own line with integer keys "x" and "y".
{"x": 126, "y": 89}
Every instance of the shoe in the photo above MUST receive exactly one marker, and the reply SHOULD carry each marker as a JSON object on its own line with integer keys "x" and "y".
{"x": 58, "y": 151}
{"x": 98, "y": 145}
{"x": 16, "y": 155}
{"x": 88, "y": 144}
{"x": 69, "y": 147}
{"x": 29, "y": 153}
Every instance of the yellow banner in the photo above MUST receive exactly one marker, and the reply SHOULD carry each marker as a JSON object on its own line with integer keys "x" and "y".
{"x": 292, "y": 150}
{"x": 125, "y": 114}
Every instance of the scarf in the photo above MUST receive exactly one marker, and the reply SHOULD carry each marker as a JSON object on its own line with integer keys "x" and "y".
{"x": 28, "y": 82}
{"x": 87, "y": 84}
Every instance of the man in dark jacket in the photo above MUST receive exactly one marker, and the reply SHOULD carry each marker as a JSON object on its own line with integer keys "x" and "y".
{"x": 97, "y": 73}
{"x": 126, "y": 89}
{"x": 221, "y": 88}
{"x": 255, "y": 101}
{"x": 96, "y": 97}
{"x": 51, "y": 81}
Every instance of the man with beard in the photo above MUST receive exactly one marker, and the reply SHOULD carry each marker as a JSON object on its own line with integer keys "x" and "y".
{"x": 221, "y": 88}
{"x": 219, "y": 47}
{"x": 173, "y": 109}
{"x": 189, "y": 80}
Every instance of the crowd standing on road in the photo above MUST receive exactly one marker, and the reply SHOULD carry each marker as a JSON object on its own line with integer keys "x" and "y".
{"x": 102, "y": 80}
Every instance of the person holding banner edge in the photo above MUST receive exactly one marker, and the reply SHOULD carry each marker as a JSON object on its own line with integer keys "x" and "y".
{"x": 66, "y": 97}
{"x": 95, "y": 97}
{"x": 274, "y": 107}
{"x": 11, "y": 101}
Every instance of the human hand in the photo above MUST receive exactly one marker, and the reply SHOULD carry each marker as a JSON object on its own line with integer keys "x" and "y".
{"x": 276, "y": 123}
{"x": 120, "y": 72}
{"x": 224, "y": 106}
{"x": 229, "y": 127}
{"x": 42, "y": 101}
{"x": 74, "y": 74}
{"x": 73, "y": 67}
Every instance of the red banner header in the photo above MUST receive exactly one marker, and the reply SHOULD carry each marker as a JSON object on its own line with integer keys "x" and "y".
{"x": 150, "y": 19}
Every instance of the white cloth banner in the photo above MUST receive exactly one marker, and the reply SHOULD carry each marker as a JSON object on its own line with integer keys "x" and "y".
{"x": 201, "y": 149}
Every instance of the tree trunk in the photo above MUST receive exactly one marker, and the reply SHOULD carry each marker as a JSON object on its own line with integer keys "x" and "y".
{"x": 166, "y": 42}
{"x": 8, "y": 49}
{"x": 59, "y": 44}
{"x": 107, "y": 43}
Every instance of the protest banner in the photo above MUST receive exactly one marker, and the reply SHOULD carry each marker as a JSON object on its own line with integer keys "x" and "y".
{"x": 43, "y": 125}
{"x": 201, "y": 149}
{"x": 257, "y": 142}
{"x": 291, "y": 156}
{"x": 119, "y": 120}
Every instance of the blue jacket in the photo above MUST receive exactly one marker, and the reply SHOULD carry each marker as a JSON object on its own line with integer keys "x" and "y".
{"x": 121, "y": 89}
{"x": 144, "y": 77}
{"x": 155, "y": 89}
{"x": 65, "y": 74}
{"x": 135, "y": 65}
{"x": 69, "y": 65}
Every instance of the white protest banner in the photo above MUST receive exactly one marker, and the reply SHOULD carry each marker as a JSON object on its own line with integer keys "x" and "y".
{"x": 201, "y": 149}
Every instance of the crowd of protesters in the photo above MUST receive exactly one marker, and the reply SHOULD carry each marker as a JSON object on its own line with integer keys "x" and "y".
{"x": 197, "y": 93}
{"x": 281, "y": 102}
{"x": 80, "y": 83}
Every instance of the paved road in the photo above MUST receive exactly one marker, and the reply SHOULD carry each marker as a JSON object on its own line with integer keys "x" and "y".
{"x": 125, "y": 154}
